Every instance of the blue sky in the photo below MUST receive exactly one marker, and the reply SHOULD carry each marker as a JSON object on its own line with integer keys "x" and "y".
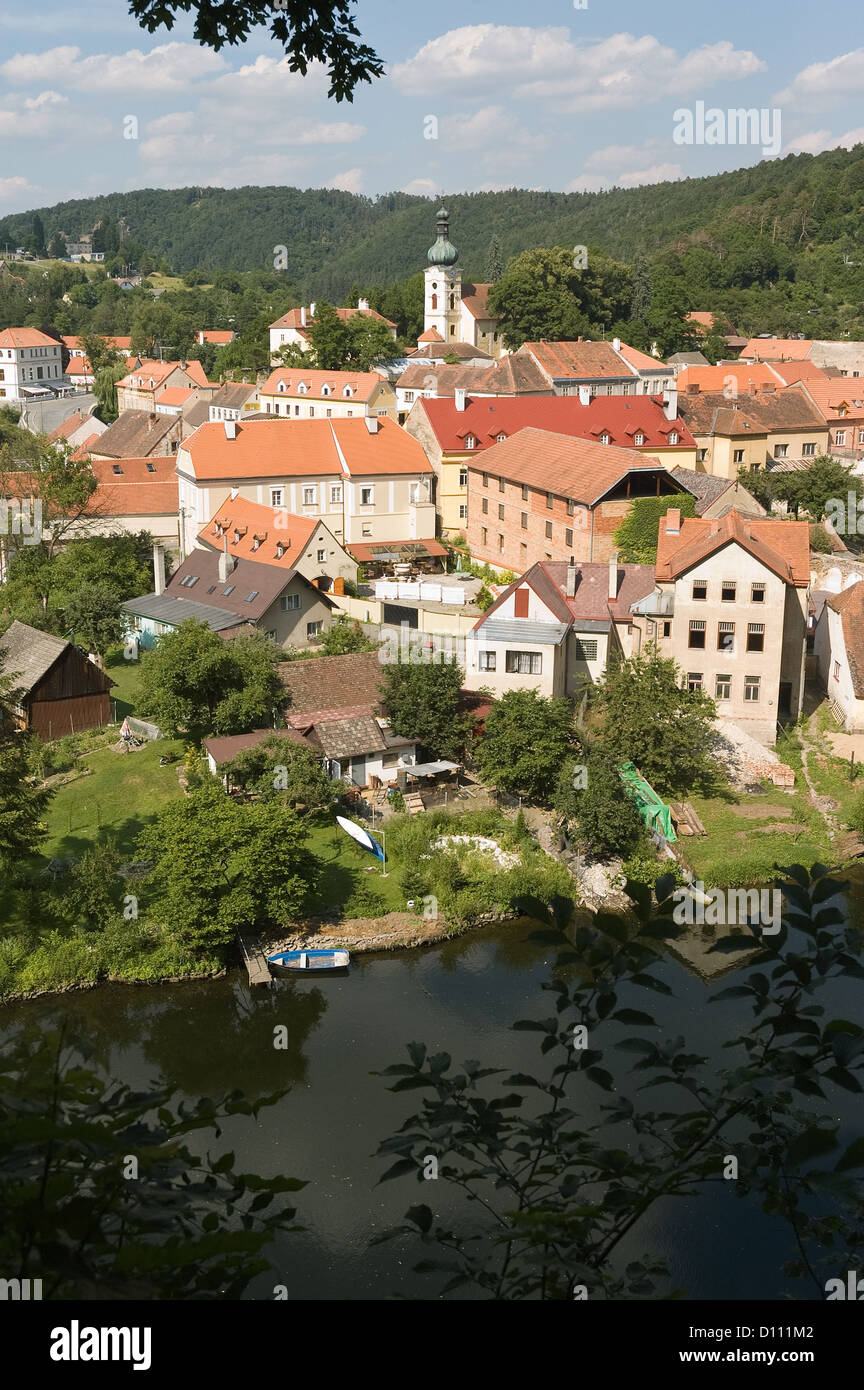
{"x": 544, "y": 96}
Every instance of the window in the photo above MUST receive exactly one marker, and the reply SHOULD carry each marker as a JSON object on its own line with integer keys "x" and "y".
{"x": 673, "y": 438}
{"x": 694, "y": 680}
{"x": 500, "y": 543}
{"x": 151, "y": 468}
{"x": 470, "y": 441}
{"x": 701, "y": 455}
{"x": 485, "y": 479}
{"x": 500, "y": 511}
{"x": 737, "y": 455}
{"x": 367, "y": 496}
{"x": 751, "y": 688}
{"x": 723, "y": 688}
{"x": 322, "y": 556}
{"x": 524, "y": 492}
{"x": 585, "y": 648}
{"x": 325, "y": 390}
{"x": 639, "y": 439}
{"x": 549, "y": 500}
{"x": 486, "y": 661}
{"x": 336, "y": 495}
{"x": 808, "y": 450}
{"x": 501, "y": 484}
{"x": 253, "y": 594}
{"x": 605, "y": 437}
{"x": 463, "y": 477}
{"x": 836, "y": 672}
{"x": 780, "y": 451}
{"x": 841, "y": 437}
{"x": 700, "y": 589}
{"x": 571, "y": 508}
{"x": 485, "y": 534}
{"x": 463, "y": 511}
{"x": 485, "y": 506}
{"x": 310, "y": 496}
{"x": 229, "y": 589}
{"x": 289, "y": 602}
{"x": 189, "y": 582}
{"x": 755, "y": 637}
{"x": 725, "y": 637}
{"x": 568, "y": 537}
{"x": 548, "y": 530}
{"x": 313, "y": 629}
{"x": 212, "y": 589}
{"x": 697, "y": 634}
{"x": 275, "y": 497}
{"x": 409, "y": 396}
{"x": 757, "y": 593}
{"x": 727, "y": 591}
{"x": 499, "y": 438}
{"x": 524, "y": 663}
{"x": 366, "y": 531}
{"x": 524, "y": 520}
{"x": 667, "y": 629}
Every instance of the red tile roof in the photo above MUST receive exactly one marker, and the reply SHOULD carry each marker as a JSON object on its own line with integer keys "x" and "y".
{"x": 292, "y": 318}
{"x": 590, "y": 602}
{"x": 145, "y": 486}
{"x": 727, "y": 375}
{"x": 159, "y": 371}
{"x": 361, "y": 384}
{"x": 366, "y": 551}
{"x": 569, "y": 467}
{"x": 621, "y": 417}
{"x": 784, "y": 546}
{"x": 777, "y": 349}
{"x": 430, "y": 336}
{"x": 68, "y": 426}
{"x": 251, "y": 522}
{"x": 475, "y": 298}
{"x": 26, "y": 337}
{"x": 175, "y": 395}
{"x": 218, "y": 336}
{"x": 589, "y": 360}
{"x": 281, "y": 448}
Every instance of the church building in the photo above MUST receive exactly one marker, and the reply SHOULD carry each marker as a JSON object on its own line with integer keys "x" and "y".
{"x": 455, "y": 312}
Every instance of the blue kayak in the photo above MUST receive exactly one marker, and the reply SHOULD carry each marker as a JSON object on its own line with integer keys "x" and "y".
{"x": 308, "y": 961}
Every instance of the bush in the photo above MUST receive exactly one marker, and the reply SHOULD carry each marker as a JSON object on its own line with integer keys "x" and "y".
{"x": 366, "y": 901}
{"x": 645, "y": 867}
{"x": 414, "y": 883}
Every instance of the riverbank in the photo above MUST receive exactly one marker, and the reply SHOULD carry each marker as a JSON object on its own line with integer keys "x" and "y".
{"x": 397, "y": 931}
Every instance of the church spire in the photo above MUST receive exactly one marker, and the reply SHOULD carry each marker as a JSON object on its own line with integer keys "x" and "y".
{"x": 442, "y": 252}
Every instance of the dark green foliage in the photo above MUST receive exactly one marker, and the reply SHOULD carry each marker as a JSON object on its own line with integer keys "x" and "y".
{"x": 600, "y": 814}
{"x": 526, "y": 739}
{"x": 636, "y": 537}
{"x": 281, "y": 770}
{"x": 422, "y": 701}
{"x": 22, "y": 803}
{"x": 345, "y": 636}
{"x": 194, "y": 682}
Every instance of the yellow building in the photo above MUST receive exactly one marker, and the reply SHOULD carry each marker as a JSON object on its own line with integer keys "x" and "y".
{"x": 764, "y": 426}
{"x": 301, "y": 393}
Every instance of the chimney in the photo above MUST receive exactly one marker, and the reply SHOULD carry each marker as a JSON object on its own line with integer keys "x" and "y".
{"x": 158, "y": 569}
{"x": 570, "y": 585}
{"x": 226, "y": 564}
{"x": 584, "y": 395}
{"x": 673, "y": 521}
{"x": 616, "y": 343}
{"x": 362, "y": 303}
{"x": 754, "y": 389}
{"x": 459, "y": 397}
{"x": 312, "y": 309}
{"x": 371, "y": 423}
{"x": 303, "y": 316}
{"x": 235, "y": 492}
{"x": 692, "y": 388}
{"x": 230, "y": 429}
{"x": 613, "y": 576}
{"x": 670, "y": 403}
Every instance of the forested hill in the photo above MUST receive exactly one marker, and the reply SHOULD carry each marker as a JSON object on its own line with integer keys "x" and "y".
{"x": 334, "y": 239}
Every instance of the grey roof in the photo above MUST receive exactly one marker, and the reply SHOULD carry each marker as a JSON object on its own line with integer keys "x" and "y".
{"x": 705, "y": 486}
{"x": 431, "y": 769}
{"x": 267, "y": 582}
{"x": 135, "y": 434}
{"x": 346, "y": 738}
{"x": 27, "y": 654}
{"x": 688, "y": 359}
{"x": 163, "y": 608}
{"x": 500, "y": 630}
{"x": 198, "y": 414}
{"x": 232, "y": 395}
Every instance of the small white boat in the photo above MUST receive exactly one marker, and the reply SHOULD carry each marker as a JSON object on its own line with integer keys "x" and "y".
{"x": 309, "y": 962}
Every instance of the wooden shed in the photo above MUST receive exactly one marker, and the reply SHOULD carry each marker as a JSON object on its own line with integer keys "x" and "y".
{"x": 58, "y": 689}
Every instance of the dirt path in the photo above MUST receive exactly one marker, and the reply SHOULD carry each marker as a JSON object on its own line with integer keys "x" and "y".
{"x": 823, "y": 804}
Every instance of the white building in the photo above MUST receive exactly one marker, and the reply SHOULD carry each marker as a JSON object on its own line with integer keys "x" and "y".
{"x": 457, "y": 311}
{"x": 31, "y": 364}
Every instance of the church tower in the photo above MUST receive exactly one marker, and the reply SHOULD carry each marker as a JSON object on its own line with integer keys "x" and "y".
{"x": 443, "y": 299}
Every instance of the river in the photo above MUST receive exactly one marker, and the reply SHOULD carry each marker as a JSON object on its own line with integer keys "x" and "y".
{"x": 460, "y": 996}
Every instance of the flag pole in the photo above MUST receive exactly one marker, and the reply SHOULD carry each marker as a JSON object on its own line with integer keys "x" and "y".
{"x": 384, "y": 851}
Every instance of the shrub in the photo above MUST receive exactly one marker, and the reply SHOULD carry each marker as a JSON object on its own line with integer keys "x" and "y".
{"x": 366, "y": 901}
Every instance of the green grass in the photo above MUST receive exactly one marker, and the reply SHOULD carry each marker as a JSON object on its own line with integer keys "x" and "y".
{"x": 123, "y": 794}
{"x": 736, "y": 853}
{"x": 346, "y": 868}
{"x": 125, "y": 675}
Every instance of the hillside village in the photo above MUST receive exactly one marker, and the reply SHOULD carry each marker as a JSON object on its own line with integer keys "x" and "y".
{"x": 536, "y": 520}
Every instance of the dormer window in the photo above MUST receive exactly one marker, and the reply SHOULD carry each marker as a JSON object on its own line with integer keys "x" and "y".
{"x": 236, "y": 536}
{"x": 347, "y": 393}
{"x": 325, "y": 391}
{"x": 605, "y": 437}
{"x": 470, "y": 442}
{"x": 499, "y": 439}
{"x": 117, "y": 469}
{"x": 639, "y": 440}
{"x": 302, "y": 388}
{"x": 673, "y": 438}
{"x": 282, "y": 386}
{"x": 280, "y": 550}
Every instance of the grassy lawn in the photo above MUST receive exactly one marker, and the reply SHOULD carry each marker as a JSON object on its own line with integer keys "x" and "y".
{"x": 829, "y": 771}
{"x": 123, "y": 794}
{"x": 125, "y": 676}
{"x": 347, "y": 868}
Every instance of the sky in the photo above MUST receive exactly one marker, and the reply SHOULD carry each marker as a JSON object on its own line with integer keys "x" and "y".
{"x": 476, "y": 96}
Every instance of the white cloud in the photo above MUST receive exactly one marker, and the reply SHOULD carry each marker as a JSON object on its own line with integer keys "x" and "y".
{"x": 656, "y": 173}
{"x": 625, "y": 166}
{"x": 425, "y": 187}
{"x": 547, "y": 65}
{"x": 45, "y": 117}
{"x": 817, "y": 141}
{"x": 14, "y": 192}
{"x": 351, "y": 181}
{"x": 170, "y": 67}
{"x": 826, "y": 81}
{"x": 492, "y": 128}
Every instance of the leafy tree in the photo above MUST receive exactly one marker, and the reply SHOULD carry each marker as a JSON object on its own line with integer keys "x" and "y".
{"x": 650, "y": 719}
{"x": 603, "y": 816}
{"x": 536, "y": 297}
{"x": 494, "y": 260}
{"x": 189, "y": 1226}
{"x": 826, "y": 479}
{"x": 33, "y": 466}
{"x": 36, "y": 242}
{"x": 422, "y": 701}
{"x": 195, "y": 682}
{"x": 551, "y": 1207}
{"x": 57, "y": 247}
{"x": 23, "y": 803}
{"x": 526, "y": 738}
{"x": 221, "y": 865}
{"x": 345, "y": 636}
{"x": 326, "y": 34}
{"x": 91, "y": 890}
{"x": 284, "y": 771}
{"x": 636, "y": 537}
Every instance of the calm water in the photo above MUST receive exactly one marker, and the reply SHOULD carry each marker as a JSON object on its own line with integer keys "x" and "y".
{"x": 459, "y": 997}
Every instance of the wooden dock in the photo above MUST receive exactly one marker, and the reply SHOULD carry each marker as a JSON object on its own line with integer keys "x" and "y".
{"x": 256, "y": 963}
